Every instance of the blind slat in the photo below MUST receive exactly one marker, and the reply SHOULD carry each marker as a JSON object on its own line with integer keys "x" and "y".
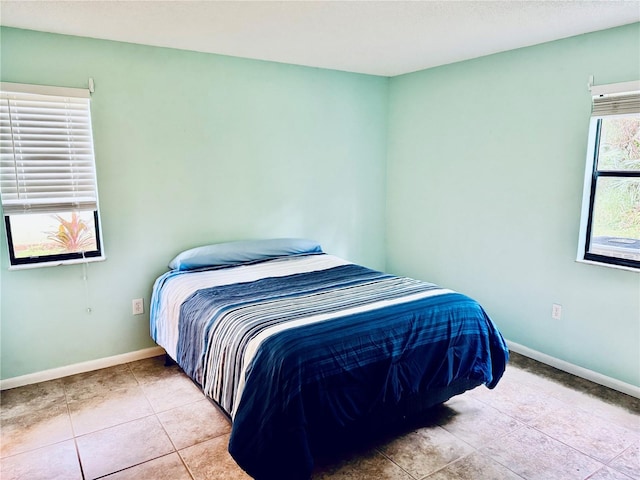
{"x": 50, "y": 206}
{"x": 46, "y": 153}
{"x": 617, "y": 104}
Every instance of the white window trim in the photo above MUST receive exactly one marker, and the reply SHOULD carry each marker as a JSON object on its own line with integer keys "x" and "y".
{"x": 613, "y": 88}
{"x": 28, "y": 266}
{"x": 598, "y": 91}
{"x": 586, "y": 197}
{"x": 45, "y": 90}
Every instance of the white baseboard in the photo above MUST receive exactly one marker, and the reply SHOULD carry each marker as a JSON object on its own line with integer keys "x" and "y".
{"x": 82, "y": 367}
{"x": 60, "y": 372}
{"x": 585, "y": 373}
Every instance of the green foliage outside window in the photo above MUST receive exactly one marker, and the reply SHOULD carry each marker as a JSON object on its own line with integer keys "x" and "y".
{"x": 617, "y": 202}
{"x": 72, "y": 235}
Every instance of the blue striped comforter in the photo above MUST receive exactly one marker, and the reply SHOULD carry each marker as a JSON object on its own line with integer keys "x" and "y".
{"x": 289, "y": 355}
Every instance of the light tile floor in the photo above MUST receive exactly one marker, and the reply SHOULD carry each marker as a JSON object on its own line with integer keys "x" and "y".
{"x": 143, "y": 420}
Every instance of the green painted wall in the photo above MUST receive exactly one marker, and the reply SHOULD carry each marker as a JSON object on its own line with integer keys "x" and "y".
{"x": 485, "y": 168}
{"x": 191, "y": 149}
{"x": 480, "y": 166}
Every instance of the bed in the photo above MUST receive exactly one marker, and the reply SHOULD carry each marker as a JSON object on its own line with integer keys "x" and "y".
{"x": 300, "y": 348}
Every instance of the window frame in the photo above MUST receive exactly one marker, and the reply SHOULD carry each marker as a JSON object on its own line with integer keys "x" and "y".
{"x": 50, "y": 204}
{"x": 592, "y": 175}
{"x": 57, "y": 259}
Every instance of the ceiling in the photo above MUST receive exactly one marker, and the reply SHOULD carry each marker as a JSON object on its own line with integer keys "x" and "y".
{"x": 374, "y": 37}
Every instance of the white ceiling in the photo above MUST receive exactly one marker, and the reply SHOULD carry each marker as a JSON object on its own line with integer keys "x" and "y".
{"x": 375, "y": 37}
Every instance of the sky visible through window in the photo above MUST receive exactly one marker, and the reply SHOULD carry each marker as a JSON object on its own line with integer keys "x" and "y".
{"x": 45, "y": 234}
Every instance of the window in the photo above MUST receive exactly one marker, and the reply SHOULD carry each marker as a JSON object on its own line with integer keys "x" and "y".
{"x": 47, "y": 176}
{"x": 610, "y": 230}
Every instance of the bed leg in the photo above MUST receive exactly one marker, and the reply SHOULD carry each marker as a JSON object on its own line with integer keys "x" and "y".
{"x": 168, "y": 361}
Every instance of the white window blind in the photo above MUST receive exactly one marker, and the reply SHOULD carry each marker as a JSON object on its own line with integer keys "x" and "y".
{"x": 618, "y": 104}
{"x": 46, "y": 151}
{"x": 616, "y": 99}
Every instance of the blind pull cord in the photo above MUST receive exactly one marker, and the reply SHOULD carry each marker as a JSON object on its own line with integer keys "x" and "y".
{"x": 85, "y": 278}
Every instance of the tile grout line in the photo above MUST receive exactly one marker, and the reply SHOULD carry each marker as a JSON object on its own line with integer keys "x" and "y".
{"x": 564, "y": 404}
{"x": 132, "y": 466}
{"x": 528, "y": 423}
{"x": 601, "y": 462}
{"x": 438, "y": 469}
{"x": 156, "y": 411}
{"x": 175, "y": 449}
{"x": 521, "y": 425}
{"x": 75, "y": 442}
{"x": 468, "y": 455}
{"x": 73, "y": 431}
{"x": 76, "y": 437}
{"x": 391, "y": 460}
{"x": 186, "y": 465}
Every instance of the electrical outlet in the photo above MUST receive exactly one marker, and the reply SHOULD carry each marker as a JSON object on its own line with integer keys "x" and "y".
{"x": 137, "y": 306}
{"x": 556, "y": 311}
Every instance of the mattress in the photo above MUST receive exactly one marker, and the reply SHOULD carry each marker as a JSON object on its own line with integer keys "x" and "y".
{"x": 297, "y": 348}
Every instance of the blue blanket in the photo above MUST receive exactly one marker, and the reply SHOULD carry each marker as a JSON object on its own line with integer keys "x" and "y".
{"x": 289, "y": 358}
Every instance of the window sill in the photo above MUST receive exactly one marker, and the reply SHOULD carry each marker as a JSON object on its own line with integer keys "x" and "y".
{"x": 610, "y": 265}
{"x": 29, "y": 266}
